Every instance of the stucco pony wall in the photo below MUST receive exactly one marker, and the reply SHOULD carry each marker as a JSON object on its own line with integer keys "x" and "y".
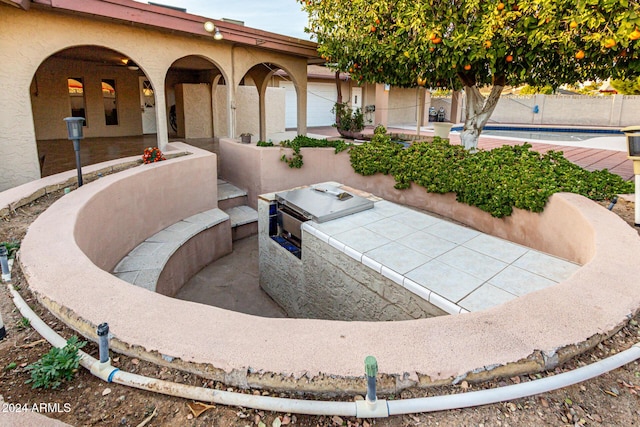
{"x": 70, "y": 249}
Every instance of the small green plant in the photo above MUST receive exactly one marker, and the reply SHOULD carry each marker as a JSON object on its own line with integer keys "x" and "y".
{"x": 10, "y": 366}
{"x": 58, "y": 365}
{"x": 264, "y": 144}
{"x": 12, "y": 248}
{"x": 24, "y": 323}
{"x": 295, "y": 161}
{"x": 348, "y": 119}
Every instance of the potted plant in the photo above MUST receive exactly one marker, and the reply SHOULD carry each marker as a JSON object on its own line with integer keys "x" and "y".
{"x": 245, "y": 137}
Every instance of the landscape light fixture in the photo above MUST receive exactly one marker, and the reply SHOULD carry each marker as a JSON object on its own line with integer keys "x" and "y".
{"x": 633, "y": 151}
{"x": 74, "y": 130}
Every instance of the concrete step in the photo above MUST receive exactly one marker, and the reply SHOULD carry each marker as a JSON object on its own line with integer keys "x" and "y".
{"x": 230, "y": 196}
{"x": 244, "y": 221}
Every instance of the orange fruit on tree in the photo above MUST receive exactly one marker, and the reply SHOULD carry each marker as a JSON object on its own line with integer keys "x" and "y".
{"x": 431, "y": 49}
{"x": 373, "y": 29}
{"x": 634, "y": 35}
{"x": 580, "y": 54}
{"x": 509, "y": 58}
{"x": 573, "y": 24}
{"x": 467, "y": 67}
{"x": 487, "y": 44}
{"x": 432, "y": 36}
{"x": 377, "y": 21}
{"x": 437, "y": 40}
{"x": 609, "y": 43}
{"x": 500, "y": 6}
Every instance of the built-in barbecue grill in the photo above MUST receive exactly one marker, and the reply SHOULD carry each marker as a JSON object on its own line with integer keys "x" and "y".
{"x": 319, "y": 203}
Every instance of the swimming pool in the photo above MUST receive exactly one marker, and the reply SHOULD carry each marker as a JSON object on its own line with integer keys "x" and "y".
{"x": 546, "y": 133}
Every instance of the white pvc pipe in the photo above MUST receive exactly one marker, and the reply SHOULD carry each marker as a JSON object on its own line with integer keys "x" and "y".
{"x": 316, "y": 407}
{"x": 501, "y": 394}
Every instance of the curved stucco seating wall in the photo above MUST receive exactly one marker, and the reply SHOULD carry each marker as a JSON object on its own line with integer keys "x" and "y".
{"x": 527, "y": 334}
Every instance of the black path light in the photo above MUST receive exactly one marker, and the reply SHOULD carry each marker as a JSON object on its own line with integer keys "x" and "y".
{"x": 633, "y": 150}
{"x": 74, "y": 130}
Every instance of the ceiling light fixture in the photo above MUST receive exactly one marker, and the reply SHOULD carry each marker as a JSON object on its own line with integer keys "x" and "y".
{"x": 132, "y": 65}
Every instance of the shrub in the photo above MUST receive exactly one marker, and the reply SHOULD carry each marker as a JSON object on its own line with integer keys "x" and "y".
{"x": 348, "y": 119}
{"x": 58, "y": 365}
{"x": 264, "y": 144}
{"x": 295, "y": 161}
{"x": 495, "y": 181}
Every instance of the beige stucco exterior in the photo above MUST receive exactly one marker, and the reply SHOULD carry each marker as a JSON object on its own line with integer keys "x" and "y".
{"x": 31, "y": 108}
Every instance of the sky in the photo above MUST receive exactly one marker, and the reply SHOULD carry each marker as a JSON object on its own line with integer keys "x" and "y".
{"x": 277, "y": 16}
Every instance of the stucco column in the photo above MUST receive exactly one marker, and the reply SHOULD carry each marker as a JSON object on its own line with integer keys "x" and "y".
{"x": 301, "y": 89}
{"x": 162, "y": 134}
{"x": 18, "y": 149}
{"x": 456, "y": 107}
{"x": 382, "y": 105}
{"x": 421, "y": 99}
{"x": 262, "y": 92}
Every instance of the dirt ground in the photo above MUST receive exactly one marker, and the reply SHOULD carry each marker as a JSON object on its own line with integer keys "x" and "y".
{"x": 609, "y": 400}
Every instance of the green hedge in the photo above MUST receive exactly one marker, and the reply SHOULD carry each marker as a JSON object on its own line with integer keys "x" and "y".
{"x": 295, "y": 161}
{"x": 495, "y": 181}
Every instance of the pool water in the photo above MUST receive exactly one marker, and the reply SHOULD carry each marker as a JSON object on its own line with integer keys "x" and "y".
{"x": 547, "y": 134}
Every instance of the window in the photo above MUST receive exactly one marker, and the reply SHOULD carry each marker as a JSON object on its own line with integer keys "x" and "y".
{"x": 76, "y": 95}
{"x": 110, "y": 102}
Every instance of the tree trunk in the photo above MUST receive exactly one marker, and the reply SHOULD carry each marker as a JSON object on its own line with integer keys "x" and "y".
{"x": 478, "y": 110}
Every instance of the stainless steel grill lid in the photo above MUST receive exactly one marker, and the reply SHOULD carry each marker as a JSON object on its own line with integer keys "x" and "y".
{"x": 323, "y": 202}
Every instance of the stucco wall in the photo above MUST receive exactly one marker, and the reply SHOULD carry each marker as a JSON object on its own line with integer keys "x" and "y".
{"x": 248, "y": 121}
{"x": 616, "y": 110}
{"x": 154, "y": 51}
{"x": 193, "y": 109}
{"x": 195, "y": 254}
{"x": 128, "y": 209}
{"x": 543, "y": 327}
{"x": 402, "y": 105}
{"x": 258, "y": 170}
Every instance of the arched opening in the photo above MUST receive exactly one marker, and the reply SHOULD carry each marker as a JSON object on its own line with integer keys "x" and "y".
{"x": 263, "y": 102}
{"x": 196, "y": 96}
{"x": 106, "y": 88}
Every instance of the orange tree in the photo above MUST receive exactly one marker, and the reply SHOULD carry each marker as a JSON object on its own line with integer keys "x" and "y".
{"x": 473, "y": 43}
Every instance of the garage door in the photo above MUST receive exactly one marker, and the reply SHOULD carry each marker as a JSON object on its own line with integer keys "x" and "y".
{"x": 320, "y": 100}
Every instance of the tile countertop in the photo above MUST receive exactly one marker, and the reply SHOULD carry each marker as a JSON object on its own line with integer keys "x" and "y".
{"x": 456, "y": 268}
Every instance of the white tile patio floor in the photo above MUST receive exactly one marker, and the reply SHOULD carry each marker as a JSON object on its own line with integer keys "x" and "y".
{"x": 456, "y": 268}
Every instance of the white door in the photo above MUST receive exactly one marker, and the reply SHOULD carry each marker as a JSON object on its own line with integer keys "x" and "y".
{"x": 320, "y": 100}
{"x": 147, "y": 106}
{"x": 356, "y": 98}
